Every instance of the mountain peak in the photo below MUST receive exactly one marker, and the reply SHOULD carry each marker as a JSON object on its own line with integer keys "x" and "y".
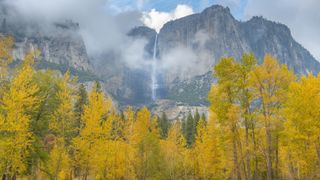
{"x": 260, "y": 22}
{"x": 216, "y": 9}
{"x": 142, "y": 31}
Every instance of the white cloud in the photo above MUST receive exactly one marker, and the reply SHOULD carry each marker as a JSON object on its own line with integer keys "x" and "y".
{"x": 100, "y": 29}
{"x": 302, "y": 17}
{"x": 156, "y": 19}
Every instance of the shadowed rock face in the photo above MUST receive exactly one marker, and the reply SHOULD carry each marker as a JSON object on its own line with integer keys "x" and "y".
{"x": 147, "y": 33}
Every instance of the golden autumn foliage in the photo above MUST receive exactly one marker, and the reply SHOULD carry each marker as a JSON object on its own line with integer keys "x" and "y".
{"x": 6, "y": 58}
{"x": 263, "y": 123}
{"x": 209, "y": 164}
{"x": 18, "y": 101}
{"x": 300, "y": 142}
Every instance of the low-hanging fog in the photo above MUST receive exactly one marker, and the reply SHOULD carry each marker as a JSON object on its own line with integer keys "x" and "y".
{"x": 104, "y": 28}
{"x": 105, "y": 32}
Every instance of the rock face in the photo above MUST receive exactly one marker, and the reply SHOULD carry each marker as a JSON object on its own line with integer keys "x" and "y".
{"x": 129, "y": 86}
{"x": 177, "y": 111}
{"x": 186, "y": 77}
{"x": 215, "y": 33}
{"x": 146, "y": 33}
{"x": 223, "y": 35}
{"x": 60, "y": 43}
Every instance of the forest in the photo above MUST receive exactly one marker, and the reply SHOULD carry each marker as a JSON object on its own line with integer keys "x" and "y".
{"x": 263, "y": 123}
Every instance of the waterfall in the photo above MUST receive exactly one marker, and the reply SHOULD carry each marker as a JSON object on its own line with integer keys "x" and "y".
{"x": 154, "y": 81}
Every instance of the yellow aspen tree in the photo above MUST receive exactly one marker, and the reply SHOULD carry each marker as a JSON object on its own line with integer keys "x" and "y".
{"x": 141, "y": 126}
{"x": 129, "y": 116}
{"x": 92, "y": 132}
{"x": 17, "y": 104}
{"x": 233, "y": 99}
{"x": 270, "y": 83}
{"x": 245, "y": 98}
{"x": 59, "y": 163}
{"x": 207, "y": 150}
{"x": 146, "y": 142}
{"x": 223, "y": 99}
{"x": 110, "y": 160}
{"x": 129, "y": 120}
{"x": 63, "y": 128}
{"x": 6, "y": 58}
{"x": 112, "y": 154}
{"x": 174, "y": 153}
{"x": 154, "y": 127}
{"x": 300, "y": 140}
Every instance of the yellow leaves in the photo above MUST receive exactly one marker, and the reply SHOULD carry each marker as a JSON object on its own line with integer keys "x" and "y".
{"x": 63, "y": 118}
{"x": 6, "y": 44}
{"x": 18, "y": 101}
{"x": 248, "y": 102}
{"x": 175, "y": 136}
{"x": 129, "y": 120}
{"x": 271, "y": 81}
{"x": 207, "y": 150}
{"x": 59, "y": 162}
{"x": 112, "y": 160}
{"x": 95, "y": 116}
{"x": 97, "y": 150}
{"x": 141, "y": 126}
{"x": 174, "y": 151}
{"x": 301, "y": 134}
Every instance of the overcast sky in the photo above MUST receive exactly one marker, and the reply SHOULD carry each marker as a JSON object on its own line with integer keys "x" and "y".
{"x": 105, "y": 21}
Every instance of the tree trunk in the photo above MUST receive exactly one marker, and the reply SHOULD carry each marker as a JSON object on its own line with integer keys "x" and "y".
{"x": 269, "y": 152}
{"x": 318, "y": 148}
{"x": 247, "y": 150}
{"x": 235, "y": 157}
{"x": 276, "y": 175}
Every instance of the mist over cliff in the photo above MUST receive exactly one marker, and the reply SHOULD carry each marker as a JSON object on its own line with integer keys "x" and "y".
{"x": 188, "y": 48}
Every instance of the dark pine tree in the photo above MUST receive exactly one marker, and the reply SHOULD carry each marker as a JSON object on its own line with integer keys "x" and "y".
{"x": 164, "y": 125}
{"x": 82, "y": 100}
{"x": 190, "y": 130}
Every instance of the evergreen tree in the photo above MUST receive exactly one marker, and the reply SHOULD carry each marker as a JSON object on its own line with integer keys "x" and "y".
{"x": 184, "y": 127}
{"x": 95, "y": 131}
{"x": 190, "y": 129}
{"x": 164, "y": 125}
{"x": 82, "y": 100}
{"x": 203, "y": 116}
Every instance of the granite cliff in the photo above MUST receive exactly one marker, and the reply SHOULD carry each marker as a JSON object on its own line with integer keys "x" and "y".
{"x": 215, "y": 33}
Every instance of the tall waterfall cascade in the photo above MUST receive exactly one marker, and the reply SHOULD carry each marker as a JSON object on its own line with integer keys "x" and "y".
{"x": 154, "y": 80}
